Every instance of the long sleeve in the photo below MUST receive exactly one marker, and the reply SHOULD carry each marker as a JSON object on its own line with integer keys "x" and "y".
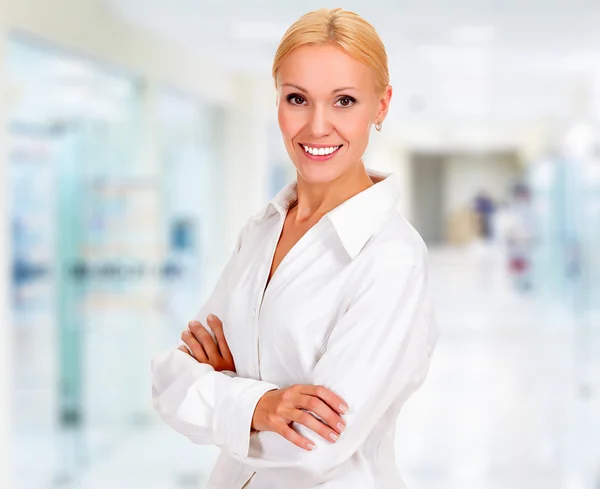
{"x": 377, "y": 355}
{"x": 208, "y": 407}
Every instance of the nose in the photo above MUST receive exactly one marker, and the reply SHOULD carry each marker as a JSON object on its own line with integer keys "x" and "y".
{"x": 320, "y": 125}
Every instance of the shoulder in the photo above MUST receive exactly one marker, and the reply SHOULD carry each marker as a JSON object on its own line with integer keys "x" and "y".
{"x": 395, "y": 244}
{"x": 391, "y": 267}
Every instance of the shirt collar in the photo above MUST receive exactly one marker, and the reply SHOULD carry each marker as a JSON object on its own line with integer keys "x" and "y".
{"x": 282, "y": 201}
{"x": 356, "y": 219}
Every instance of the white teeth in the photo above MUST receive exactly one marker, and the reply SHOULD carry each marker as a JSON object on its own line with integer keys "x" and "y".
{"x": 320, "y": 151}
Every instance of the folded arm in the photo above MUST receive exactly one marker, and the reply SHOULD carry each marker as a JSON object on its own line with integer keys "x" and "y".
{"x": 208, "y": 407}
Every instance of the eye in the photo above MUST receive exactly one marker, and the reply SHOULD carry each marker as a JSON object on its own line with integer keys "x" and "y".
{"x": 295, "y": 99}
{"x": 346, "y": 101}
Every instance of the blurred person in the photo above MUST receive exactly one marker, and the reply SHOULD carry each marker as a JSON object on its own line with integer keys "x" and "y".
{"x": 484, "y": 206}
{"x": 521, "y": 238}
{"x": 501, "y": 225}
{"x": 321, "y": 325}
{"x": 516, "y": 232}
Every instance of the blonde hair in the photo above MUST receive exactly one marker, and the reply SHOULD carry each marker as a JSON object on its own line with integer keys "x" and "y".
{"x": 340, "y": 28}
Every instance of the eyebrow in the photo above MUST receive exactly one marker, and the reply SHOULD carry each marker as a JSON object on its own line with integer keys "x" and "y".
{"x": 342, "y": 89}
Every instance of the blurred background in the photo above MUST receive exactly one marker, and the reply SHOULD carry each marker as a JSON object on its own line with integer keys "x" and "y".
{"x": 137, "y": 137}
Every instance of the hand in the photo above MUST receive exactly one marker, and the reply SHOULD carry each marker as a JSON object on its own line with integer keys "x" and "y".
{"x": 277, "y": 409}
{"x": 204, "y": 349}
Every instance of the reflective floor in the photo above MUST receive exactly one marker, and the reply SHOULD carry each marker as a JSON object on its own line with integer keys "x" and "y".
{"x": 512, "y": 402}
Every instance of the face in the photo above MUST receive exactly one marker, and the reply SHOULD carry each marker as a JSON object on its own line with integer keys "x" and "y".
{"x": 327, "y": 103}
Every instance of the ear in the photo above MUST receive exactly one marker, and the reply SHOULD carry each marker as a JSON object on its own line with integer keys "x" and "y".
{"x": 384, "y": 104}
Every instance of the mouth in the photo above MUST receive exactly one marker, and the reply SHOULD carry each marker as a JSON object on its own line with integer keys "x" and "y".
{"x": 321, "y": 153}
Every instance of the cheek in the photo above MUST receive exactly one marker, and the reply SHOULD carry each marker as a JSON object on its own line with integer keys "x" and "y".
{"x": 289, "y": 123}
{"x": 354, "y": 127}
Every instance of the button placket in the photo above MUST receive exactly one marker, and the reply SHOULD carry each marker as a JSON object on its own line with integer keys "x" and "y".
{"x": 264, "y": 287}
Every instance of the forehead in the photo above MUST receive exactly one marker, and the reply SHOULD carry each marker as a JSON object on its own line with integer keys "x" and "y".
{"x": 322, "y": 69}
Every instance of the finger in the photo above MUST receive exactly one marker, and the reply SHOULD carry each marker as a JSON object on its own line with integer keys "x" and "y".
{"x": 196, "y": 348}
{"x": 205, "y": 339}
{"x": 308, "y": 420}
{"x": 297, "y": 439}
{"x": 325, "y": 415}
{"x": 217, "y": 326}
{"x": 332, "y": 399}
{"x": 184, "y": 349}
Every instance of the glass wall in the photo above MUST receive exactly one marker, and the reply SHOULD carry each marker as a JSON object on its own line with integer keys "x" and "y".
{"x": 115, "y": 220}
{"x": 565, "y": 191}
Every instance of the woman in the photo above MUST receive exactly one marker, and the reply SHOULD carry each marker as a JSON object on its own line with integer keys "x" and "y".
{"x": 321, "y": 326}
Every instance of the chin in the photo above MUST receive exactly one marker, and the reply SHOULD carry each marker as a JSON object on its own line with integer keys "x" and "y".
{"x": 319, "y": 173}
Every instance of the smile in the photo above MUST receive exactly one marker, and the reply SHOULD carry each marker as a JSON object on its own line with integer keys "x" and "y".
{"x": 322, "y": 153}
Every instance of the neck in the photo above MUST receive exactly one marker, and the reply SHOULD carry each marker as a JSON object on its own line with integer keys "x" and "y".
{"x": 317, "y": 199}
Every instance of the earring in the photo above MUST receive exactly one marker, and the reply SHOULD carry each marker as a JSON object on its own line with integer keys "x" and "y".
{"x": 378, "y": 125}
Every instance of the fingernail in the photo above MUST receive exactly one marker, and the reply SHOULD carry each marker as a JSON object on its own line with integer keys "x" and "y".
{"x": 334, "y": 437}
{"x": 185, "y": 331}
{"x": 191, "y": 323}
{"x": 341, "y": 427}
{"x": 343, "y": 409}
{"x": 211, "y": 317}
{"x": 310, "y": 446}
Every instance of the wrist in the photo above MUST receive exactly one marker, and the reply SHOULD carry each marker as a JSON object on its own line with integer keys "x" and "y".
{"x": 255, "y": 422}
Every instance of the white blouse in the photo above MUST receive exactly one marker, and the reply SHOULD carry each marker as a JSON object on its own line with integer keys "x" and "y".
{"x": 349, "y": 307}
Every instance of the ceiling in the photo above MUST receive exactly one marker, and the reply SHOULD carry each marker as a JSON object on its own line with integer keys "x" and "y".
{"x": 512, "y": 60}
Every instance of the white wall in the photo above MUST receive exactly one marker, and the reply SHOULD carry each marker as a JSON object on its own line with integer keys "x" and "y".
{"x": 90, "y": 28}
{"x": 466, "y": 174}
{"x": 5, "y": 323}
